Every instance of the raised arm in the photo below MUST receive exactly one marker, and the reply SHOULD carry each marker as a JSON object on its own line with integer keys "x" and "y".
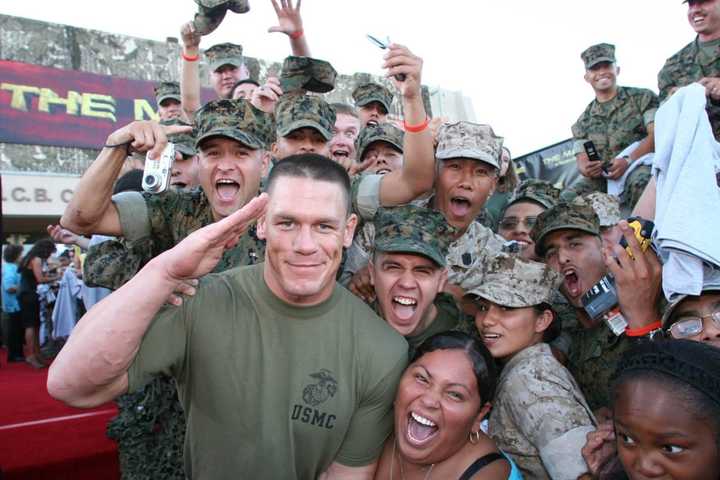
{"x": 417, "y": 174}
{"x": 190, "y": 73}
{"x": 92, "y": 368}
{"x": 290, "y": 23}
{"x": 91, "y": 209}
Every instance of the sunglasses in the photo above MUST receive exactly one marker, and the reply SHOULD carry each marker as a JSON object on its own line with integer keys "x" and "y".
{"x": 511, "y": 223}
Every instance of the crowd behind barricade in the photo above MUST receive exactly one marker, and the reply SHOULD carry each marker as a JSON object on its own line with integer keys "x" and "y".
{"x": 319, "y": 292}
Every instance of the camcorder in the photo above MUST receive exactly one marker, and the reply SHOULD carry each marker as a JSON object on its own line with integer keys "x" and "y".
{"x": 157, "y": 172}
{"x": 594, "y": 156}
{"x": 601, "y": 301}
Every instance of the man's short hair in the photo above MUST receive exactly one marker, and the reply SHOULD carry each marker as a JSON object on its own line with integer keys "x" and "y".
{"x": 312, "y": 166}
{"x": 344, "y": 109}
{"x": 12, "y": 252}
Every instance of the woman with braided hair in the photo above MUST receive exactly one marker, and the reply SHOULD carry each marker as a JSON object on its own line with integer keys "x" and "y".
{"x": 666, "y": 424}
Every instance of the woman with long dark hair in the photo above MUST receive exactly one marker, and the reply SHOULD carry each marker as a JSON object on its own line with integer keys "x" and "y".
{"x": 31, "y": 274}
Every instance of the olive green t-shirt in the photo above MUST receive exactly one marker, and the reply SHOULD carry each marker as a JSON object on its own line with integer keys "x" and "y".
{"x": 448, "y": 317}
{"x": 272, "y": 390}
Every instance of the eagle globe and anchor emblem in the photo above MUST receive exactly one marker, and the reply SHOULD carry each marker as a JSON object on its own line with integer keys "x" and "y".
{"x": 317, "y": 393}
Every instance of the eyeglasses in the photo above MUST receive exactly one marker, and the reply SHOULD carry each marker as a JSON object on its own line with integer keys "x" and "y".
{"x": 511, "y": 223}
{"x": 690, "y": 326}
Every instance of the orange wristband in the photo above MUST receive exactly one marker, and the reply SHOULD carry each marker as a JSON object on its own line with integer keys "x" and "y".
{"x": 297, "y": 34}
{"x": 189, "y": 58}
{"x": 642, "y": 331}
{"x": 416, "y": 128}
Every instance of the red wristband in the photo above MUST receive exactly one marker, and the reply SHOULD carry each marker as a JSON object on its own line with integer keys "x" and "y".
{"x": 297, "y": 34}
{"x": 189, "y": 58}
{"x": 416, "y": 128}
{"x": 642, "y": 331}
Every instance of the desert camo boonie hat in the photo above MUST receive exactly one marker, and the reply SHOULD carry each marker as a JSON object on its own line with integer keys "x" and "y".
{"x": 606, "y": 206}
{"x": 307, "y": 74}
{"x": 469, "y": 140}
{"x": 296, "y": 110}
{"x": 383, "y": 132}
{"x": 511, "y": 281}
{"x": 235, "y": 119}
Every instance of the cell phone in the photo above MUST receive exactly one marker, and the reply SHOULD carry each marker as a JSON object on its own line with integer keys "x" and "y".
{"x": 594, "y": 156}
{"x": 384, "y": 45}
{"x": 157, "y": 172}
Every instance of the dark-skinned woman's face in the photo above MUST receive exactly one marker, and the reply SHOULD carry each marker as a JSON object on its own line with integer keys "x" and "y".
{"x": 660, "y": 436}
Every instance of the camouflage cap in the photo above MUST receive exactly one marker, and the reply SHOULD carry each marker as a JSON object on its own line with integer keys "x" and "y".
{"x": 411, "y": 229}
{"x": 535, "y": 190}
{"x": 224, "y": 54}
{"x": 307, "y": 74}
{"x": 512, "y": 281}
{"x": 236, "y": 119}
{"x": 211, "y": 13}
{"x": 576, "y": 215}
{"x": 469, "y": 140}
{"x": 383, "y": 132}
{"x": 184, "y": 142}
{"x": 295, "y": 110}
{"x": 165, "y": 90}
{"x": 602, "y": 52}
{"x": 372, "y": 92}
{"x": 606, "y": 206}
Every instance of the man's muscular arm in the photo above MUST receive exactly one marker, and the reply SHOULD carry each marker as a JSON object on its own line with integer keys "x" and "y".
{"x": 190, "y": 73}
{"x": 90, "y": 210}
{"x": 92, "y": 367}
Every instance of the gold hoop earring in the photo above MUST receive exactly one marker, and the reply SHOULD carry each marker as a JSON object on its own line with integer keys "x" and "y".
{"x": 474, "y": 438}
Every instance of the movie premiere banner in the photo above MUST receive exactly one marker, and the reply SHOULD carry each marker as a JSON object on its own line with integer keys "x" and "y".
{"x": 555, "y": 163}
{"x": 68, "y": 108}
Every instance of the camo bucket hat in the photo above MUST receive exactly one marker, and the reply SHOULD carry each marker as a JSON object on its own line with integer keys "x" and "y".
{"x": 606, "y": 206}
{"x": 212, "y": 12}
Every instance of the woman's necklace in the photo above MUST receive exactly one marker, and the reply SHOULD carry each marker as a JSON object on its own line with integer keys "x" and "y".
{"x": 402, "y": 469}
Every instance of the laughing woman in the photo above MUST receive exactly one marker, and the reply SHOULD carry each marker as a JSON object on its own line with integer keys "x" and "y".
{"x": 441, "y": 400}
{"x": 540, "y": 418}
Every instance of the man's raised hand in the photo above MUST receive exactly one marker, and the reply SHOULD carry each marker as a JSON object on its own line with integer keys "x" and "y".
{"x": 289, "y": 19}
{"x": 400, "y": 60}
{"x": 146, "y": 135}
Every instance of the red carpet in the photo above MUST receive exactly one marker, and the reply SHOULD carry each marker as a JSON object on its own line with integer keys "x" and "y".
{"x": 41, "y": 438}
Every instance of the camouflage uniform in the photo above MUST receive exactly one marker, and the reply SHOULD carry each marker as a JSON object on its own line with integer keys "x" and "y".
{"x": 211, "y": 13}
{"x": 539, "y": 415}
{"x": 594, "y": 351}
{"x": 613, "y": 126}
{"x": 150, "y": 426}
{"x": 607, "y": 208}
{"x": 305, "y": 74}
{"x": 224, "y": 54}
{"x": 167, "y": 90}
{"x": 695, "y": 61}
{"x": 372, "y": 92}
{"x": 415, "y": 230}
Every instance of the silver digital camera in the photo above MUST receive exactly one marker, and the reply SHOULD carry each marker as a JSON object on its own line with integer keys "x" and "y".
{"x": 156, "y": 176}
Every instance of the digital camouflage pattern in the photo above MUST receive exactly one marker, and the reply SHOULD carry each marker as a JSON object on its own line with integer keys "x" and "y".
{"x": 477, "y": 244}
{"x": 184, "y": 142}
{"x": 236, "y": 119}
{"x": 539, "y": 417}
{"x": 167, "y": 90}
{"x": 575, "y": 215}
{"x": 469, "y": 140}
{"x": 224, "y": 54}
{"x": 593, "y": 357}
{"x": 411, "y": 229}
{"x": 607, "y": 208}
{"x": 372, "y": 92}
{"x": 538, "y": 191}
{"x": 511, "y": 281}
{"x": 694, "y": 61}
{"x": 613, "y": 126}
{"x": 382, "y": 132}
{"x": 150, "y": 426}
{"x": 294, "y": 111}
{"x": 307, "y": 74}
{"x": 212, "y": 12}
{"x": 602, "y": 52}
